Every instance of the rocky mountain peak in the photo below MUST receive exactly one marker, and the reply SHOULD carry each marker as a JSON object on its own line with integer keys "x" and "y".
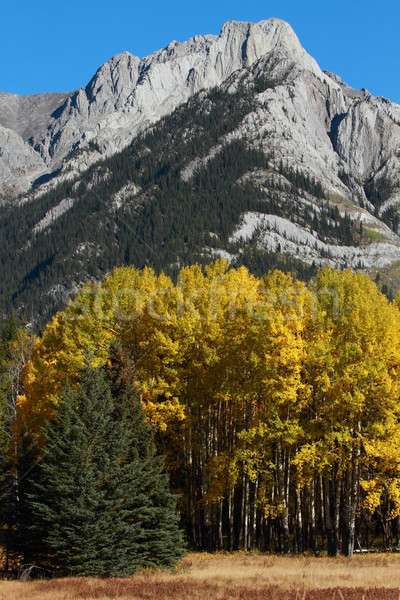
{"x": 300, "y": 165}
{"x": 128, "y": 93}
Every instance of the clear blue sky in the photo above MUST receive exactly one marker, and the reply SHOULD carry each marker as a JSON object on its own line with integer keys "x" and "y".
{"x": 51, "y": 45}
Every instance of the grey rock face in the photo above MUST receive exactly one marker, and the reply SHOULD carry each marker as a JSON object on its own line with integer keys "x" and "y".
{"x": 126, "y": 94}
{"x": 310, "y": 119}
{"x": 29, "y": 115}
{"x": 19, "y": 164}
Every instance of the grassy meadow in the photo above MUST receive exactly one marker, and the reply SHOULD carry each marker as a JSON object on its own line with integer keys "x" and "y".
{"x": 233, "y": 577}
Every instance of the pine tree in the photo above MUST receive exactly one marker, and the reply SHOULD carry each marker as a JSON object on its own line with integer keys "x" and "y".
{"x": 101, "y": 507}
{"x": 160, "y": 540}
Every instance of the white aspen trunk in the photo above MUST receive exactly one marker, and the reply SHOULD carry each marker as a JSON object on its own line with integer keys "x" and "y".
{"x": 299, "y": 522}
{"x": 246, "y": 515}
{"x": 355, "y": 467}
{"x": 313, "y": 527}
{"x": 336, "y": 516}
{"x": 220, "y": 532}
{"x": 254, "y": 515}
{"x": 242, "y": 513}
{"x": 231, "y": 512}
{"x": 322, "y": 505}
{"x": 283, "y": 497}
{"x": 327, "y": 515}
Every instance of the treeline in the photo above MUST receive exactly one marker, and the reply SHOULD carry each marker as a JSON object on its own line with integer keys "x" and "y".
{"x": 275, "y": 404}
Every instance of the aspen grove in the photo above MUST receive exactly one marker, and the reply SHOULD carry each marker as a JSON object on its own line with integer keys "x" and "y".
{"x": 276, "y": 404}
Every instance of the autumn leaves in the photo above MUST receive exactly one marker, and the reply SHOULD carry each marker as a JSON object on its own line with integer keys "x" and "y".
{"x": 275, "y": 403}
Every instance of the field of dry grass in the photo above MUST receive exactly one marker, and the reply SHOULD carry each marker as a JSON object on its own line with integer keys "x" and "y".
{"x": 233, "y": 577}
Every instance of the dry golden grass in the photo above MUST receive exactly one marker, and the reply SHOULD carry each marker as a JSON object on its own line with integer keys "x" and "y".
{"x": 370, "y": 570}
{"x": 233, "y": 577}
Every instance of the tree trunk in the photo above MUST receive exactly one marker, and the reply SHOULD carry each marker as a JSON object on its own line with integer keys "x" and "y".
{"x": 277, "y": 531}
{"x": 336, "y": 515}
{"x": 282, "y": 491}
{"x": 242, "y": 514}
{"x": 313, "y": 528}
{"x": 352, "y": 497}
{"x": 322, "y": 505}
{"x": 299, "y": 522}
{"x": 220, "y": 532}
{"x": 328, "y": 519}
{"x": 246, "y": 514}
{"x": 231, "y": 520}
{"x": 254, "y": 516}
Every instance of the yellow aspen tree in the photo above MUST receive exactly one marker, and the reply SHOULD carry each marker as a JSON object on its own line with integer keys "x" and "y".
{"x": 353, "y": 367}
{"x": 276, "y": 340}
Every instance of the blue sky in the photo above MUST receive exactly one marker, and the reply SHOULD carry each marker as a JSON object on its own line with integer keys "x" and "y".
{"x": 48, "y": 45}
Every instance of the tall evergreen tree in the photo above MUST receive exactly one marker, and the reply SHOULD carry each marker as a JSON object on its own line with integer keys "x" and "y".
{"x": 100, "y": 506}
{"x": 160, "y": 540}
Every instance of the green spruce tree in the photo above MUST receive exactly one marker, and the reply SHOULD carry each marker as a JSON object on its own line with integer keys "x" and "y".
{"x": 151, "y": 502}
{"x": 102, "y": 506}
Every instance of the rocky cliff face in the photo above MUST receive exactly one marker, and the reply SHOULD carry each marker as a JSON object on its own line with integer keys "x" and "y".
{"x": 328, "y": 190}
{"x": 126, "y": 94}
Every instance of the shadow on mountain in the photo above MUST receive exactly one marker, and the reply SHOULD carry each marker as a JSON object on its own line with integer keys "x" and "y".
{"x": 45, "y": 178}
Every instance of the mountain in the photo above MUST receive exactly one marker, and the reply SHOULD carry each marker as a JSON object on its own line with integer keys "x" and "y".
{"x": 126, "y": 94}
{"x": 235, "y": 145}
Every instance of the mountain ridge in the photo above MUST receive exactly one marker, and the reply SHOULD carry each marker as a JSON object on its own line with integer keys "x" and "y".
{"x": 127, "y": 93}
{"x": 278, "y": 165}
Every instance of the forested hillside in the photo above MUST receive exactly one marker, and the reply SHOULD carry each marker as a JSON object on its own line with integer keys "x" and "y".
{"x": 234, "y": 145}
{"x": 176, "y": 195}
